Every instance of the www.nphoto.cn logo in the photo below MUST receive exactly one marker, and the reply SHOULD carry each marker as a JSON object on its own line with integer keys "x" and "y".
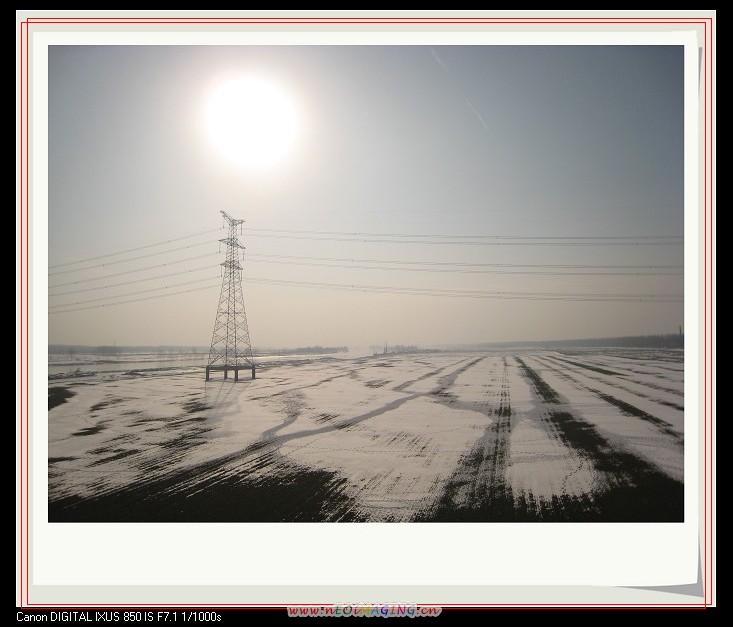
{"x": 383, "y": 610}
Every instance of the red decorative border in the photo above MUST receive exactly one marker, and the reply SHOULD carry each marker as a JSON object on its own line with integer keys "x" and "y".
{"x": 23, "y": 250}
{"x": 23, "y": 313}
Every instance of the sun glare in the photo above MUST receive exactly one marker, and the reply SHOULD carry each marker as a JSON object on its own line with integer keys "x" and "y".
{"x": 252, "y": 122}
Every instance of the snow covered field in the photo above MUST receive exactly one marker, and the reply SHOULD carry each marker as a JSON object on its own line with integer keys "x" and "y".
{"x": 526, "y": 436}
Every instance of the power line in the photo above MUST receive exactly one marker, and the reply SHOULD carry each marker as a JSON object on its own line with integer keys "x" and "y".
{"x": 403, "y": 238}
{"x": 612, "y": 297}
{"x": 112, "y": 263}
{"x": 351, "y": 264}
{"x": 471, "y": 264}
{"x": 476, "y": 294}
{"x": 103, "y": 287}
{"x": 382, "y": 264}
{"x": 470, "y": 240}
{"x": 154, "y": 289}
{"x": 122, "y": 252}
{"x": 116, "y": 274}
{"x": 355, "y": 266}
{"x": 136, "y": 300}
{"x": 476, "y": 241}
{"x": 497, "y": 237}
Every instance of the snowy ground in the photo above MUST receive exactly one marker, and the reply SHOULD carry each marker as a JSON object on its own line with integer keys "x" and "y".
{"x": 527, "y": 436}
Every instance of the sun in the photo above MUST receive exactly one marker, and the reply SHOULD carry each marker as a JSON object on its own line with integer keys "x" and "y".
{"x": 251, "y": 121}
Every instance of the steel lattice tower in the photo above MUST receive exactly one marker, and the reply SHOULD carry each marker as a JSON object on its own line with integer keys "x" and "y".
{"x": 231, "y": 348}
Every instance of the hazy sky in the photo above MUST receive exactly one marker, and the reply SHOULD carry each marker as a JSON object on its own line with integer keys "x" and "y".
{"x": 483, "y": 183}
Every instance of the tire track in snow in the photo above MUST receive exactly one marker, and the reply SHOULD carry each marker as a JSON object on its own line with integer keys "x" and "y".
{"x": 626, "y": 408}
{"x": 629, "y": 487}
{"x": 617, "y": 384}
{"x": 479, "y": 490}
{"x": 444, "y": 382}
{"x": 179, "y": 491}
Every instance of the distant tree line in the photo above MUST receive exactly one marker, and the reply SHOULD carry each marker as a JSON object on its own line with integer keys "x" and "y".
{"x": 670, "y": 340}
{"x": 75, "y": 349}
{"x": 78, "y": 349}
{"x": 304, "y": 350}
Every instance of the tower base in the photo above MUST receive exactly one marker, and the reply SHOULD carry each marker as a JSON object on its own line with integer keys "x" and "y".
{"x": 227, "y": 369}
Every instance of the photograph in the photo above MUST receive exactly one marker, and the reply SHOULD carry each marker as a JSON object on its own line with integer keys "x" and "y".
{"x": 366, "y": 283}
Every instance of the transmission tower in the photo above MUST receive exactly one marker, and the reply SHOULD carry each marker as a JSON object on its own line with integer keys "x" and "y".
{"x": 231, "y": 348}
